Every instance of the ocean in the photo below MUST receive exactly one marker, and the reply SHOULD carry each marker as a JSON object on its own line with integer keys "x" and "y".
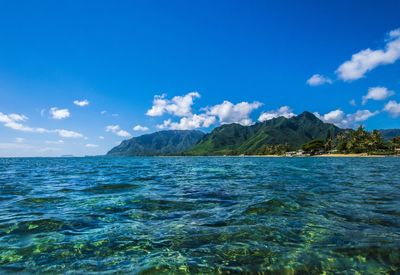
{"x": 199, "y": 215}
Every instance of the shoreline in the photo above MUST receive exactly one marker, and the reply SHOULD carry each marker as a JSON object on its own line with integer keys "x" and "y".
{"x": 361, "y": 155}
{"x": 324, "y": 156}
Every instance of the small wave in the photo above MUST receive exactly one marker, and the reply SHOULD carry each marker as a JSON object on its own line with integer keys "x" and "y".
{"x": 34, "y": 226}
{"x": 107, "y": 188}
{"x": 41, "y": 200}
{"x": 271, "y": 206}
{"x": 296, "y": 168}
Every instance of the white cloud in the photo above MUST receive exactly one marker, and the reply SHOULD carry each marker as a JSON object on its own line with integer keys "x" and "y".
{"x": 13, "y": 121}
{"x": 90, "y": 145}
{"x": 140, "y": 128}
{"x": 284, "y": 111}
{"x": 68, "y": 133}
{"x": 361, "y": 115}
{"x": 352, "y": 102}
{"x": 116, "y": 129}
{"x": 377, "y": 93}
{"x": 318, "y": 79}
{"x": 342, "y": 120}
{"x": 112, "y": 128}
{"x": 60, "y": 141}
{"x": 81, "y": 103}
{"x": 181, "y": 106}
{"x": 393, "y": 108}
{"x": 165, "y": 125}
{"x": 101, "y": 137}
{"x": 19, "y": 140}
{"x": 103, "y": 112}
{"x": 178, "y": 105}
{"x": 189, "y": 123}
{"x": 367, "y": 60}
{"x": 57, "y": 113}
{"x": 394, "y": 33}
{"x": 11, "y": 118}
{"x": 334, "y": 117}
{"x": 17, "y": 117}
{"x": 233, "y": 113}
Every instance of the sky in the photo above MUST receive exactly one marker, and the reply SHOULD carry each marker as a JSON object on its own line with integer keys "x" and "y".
{"x": 78, "y": 77}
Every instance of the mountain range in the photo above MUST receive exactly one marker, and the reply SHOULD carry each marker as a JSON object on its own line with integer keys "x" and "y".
{"x": 388, "y": 134}
{"x": 235, "y": 139}
{"x": 172, "y": 142}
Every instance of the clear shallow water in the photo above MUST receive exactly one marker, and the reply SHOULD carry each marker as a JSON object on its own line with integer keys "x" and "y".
{"x": 200, "y": 215}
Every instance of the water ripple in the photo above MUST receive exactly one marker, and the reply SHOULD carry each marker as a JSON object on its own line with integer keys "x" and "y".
{"x": 200, "y": 215}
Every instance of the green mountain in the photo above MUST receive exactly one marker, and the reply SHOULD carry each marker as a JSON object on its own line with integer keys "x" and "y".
{"x": 389, "y": 134}
{"x": 234, "y": 139}
{"x": 171, "y": 142}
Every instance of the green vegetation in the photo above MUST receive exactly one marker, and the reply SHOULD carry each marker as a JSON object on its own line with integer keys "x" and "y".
{"x": 273, "y": 137}
{"x": 362, "y": 141}
{"x": 314, "y": 146}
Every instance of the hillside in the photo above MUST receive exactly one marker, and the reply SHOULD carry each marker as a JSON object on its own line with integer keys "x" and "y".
{"x": 388, "y": 134}
{"x": 233, "y": 139}
{"x": 171, "y": 142}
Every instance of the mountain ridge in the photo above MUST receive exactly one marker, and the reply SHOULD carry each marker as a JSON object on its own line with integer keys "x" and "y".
{"x": 233, "y": 139}
{"x": 272, "y": 136}
{"x": 167, "y": 142}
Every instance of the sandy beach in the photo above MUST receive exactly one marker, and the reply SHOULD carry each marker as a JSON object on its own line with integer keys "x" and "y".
{"x": 363, "y": 155}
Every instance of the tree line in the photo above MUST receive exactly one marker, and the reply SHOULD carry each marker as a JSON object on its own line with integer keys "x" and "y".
{"x": 358, "y": 141}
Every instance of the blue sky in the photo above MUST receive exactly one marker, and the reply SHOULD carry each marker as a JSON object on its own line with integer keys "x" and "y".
{"x": 188, "y": 65}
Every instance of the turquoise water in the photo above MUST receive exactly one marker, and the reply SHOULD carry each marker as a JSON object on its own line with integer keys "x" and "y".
{"x": 200, "y": 215}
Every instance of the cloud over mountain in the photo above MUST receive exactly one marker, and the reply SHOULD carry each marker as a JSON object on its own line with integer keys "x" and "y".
{"x": 177, "y": 106}
{"x": 116, "y": 129}
{"x": 227, "y": 112}
{"x": 284, "y": 111}
{"x": 343, "y": 120}
{"x": 140, "y": 128}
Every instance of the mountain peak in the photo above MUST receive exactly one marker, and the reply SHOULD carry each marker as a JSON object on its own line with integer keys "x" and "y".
{"x": 307, "y": 115}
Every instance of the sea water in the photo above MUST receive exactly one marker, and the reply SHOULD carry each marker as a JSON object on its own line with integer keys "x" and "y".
{"x": 199, "y": 215}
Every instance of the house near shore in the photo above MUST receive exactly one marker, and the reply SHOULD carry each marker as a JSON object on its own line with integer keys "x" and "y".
{"x": 298, "y": 153}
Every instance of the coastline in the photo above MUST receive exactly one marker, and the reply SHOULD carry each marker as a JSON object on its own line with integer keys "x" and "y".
{"x": 361, "y": 155}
